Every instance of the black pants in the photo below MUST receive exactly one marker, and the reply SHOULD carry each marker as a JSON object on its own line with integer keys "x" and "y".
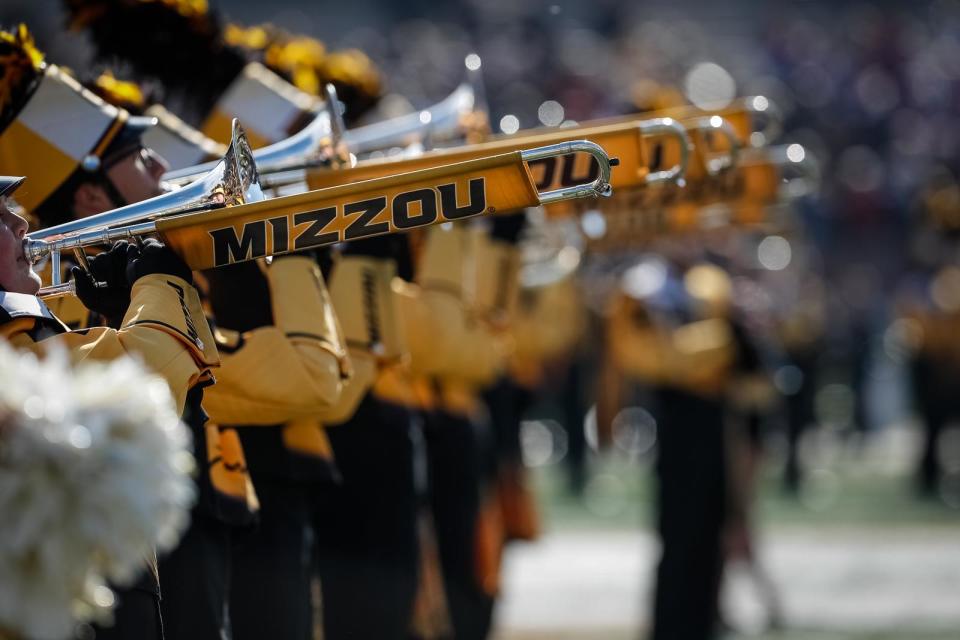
{"x": 457, "y": 471}
{"x": 137, "y": 612}
{"x": 367, "y": 545}
{"x": 935, "y": 399}
{"x": 271, "y": 571}
{"x": 194, "y": 579}
{"x": 691, "y": 499}
{"x": 799, "y": 409}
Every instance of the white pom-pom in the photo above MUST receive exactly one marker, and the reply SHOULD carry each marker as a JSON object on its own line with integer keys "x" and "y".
{"x": 94, "y": 476}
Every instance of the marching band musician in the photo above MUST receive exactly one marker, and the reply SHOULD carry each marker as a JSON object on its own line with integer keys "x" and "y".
{"x": 460, "y": 356}
{"x": 541, "y": 323}
{"x": 298, "y": 352}
{"x": 672, "y": 329}
{"x": 366, "y": 525}
{"x": 545, "y": 328}
{"x": 287, "y": 462}
{"x": 279, "y": 329}
{"x": 928, "y": 318}
{"x": 367, "y": 537}
{"x": 284, "y": 471}
{"x": 160, "y": 320}
{"x": 87, "y": 170}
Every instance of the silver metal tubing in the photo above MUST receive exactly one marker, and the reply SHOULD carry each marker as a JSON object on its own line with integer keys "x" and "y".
{"x": 716, "y": 162}
{"x": 233, "y": 180}
{"x": 302, "y": 150}
{"x": 762, "y": 107}
{"x": 598, "y": 187}
{"x": 441, "y": 120}
{"x": 669, "y": 127}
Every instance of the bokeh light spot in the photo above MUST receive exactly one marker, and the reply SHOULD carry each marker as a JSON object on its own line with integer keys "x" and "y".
{"x": 550, "y": 113}
{"x": 708, "y": 85}
{"x": 796, "y": 153}
{"x": 774, "y": 253}
{"x": 509, "y": 124}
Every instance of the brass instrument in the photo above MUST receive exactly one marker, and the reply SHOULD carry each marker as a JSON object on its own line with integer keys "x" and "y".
{"x": 449, "y": 119}
{"x": 223, "y": 219}
{"x": 324, "y": 143}
{"x": 756, "y": 120}
{"x": 553, "y": 247}
{"x": 232, "y": 181}
{"x": 633, "y": 143}
{"x": 283, "y": 163}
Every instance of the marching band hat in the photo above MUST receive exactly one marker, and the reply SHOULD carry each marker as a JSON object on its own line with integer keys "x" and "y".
{"x": 174, "y": 140}
{"x": 274, "y": 97}
{"x": 269, "y": 108}
{"x": 307, "y": 64}
{"x": 177, "y": 44}
{"x": 164, "y": 40}
{"x": 51, "y": 128}
{"x": 9, "y": 184}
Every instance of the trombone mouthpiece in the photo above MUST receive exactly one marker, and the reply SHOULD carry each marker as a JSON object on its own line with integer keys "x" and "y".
{"x": 34, "y": 250}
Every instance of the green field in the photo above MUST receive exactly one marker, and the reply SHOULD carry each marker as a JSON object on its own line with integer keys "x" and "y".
{"x": 843, "y": 502}
{"x": 786, "y": 635}
{"x": 619, "y": 497}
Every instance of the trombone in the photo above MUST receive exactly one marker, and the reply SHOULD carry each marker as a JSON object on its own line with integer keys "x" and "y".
{"x": 223, "y": 218}
{"x": 441, "y": 121}
{"x": 283, "y": 163}
{"x": 446, "y": 120}
{"x": 325, "y": 143}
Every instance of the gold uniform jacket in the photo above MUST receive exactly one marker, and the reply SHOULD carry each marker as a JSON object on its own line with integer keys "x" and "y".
{"x": 164, "y": 326}
{"x": 275, "y": 379}
{"x": 225, "y": 491}
{"x": 449, "y": 342}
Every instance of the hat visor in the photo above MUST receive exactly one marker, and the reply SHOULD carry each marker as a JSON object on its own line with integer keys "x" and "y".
{"x": 9, "y": 184}
{"x": 128, "y": 138}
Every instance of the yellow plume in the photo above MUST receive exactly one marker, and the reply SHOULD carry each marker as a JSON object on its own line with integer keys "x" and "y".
{"x": 20, "y": 64}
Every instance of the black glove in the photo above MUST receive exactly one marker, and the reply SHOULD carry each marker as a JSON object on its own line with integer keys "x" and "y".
{"x": 239, "y": 296}
{"x": 154, "y": 257}
{"x": 394, "y": 245}
{"x": 508, "y": 228}
{"x": 112, "y": 297}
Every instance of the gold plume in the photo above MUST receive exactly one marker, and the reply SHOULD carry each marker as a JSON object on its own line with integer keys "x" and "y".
{"x": 21, "y": 63}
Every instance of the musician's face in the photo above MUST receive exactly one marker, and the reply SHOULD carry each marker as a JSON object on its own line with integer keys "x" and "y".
{"x": 16, "y": 273}
{"x": 137, "y": 176}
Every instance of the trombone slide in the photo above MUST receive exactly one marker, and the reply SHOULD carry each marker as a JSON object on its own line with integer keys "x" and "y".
{"x": 485, "y": 186}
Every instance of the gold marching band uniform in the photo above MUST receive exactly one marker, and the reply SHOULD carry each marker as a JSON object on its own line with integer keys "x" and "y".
{"x": 355, "y": 412}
